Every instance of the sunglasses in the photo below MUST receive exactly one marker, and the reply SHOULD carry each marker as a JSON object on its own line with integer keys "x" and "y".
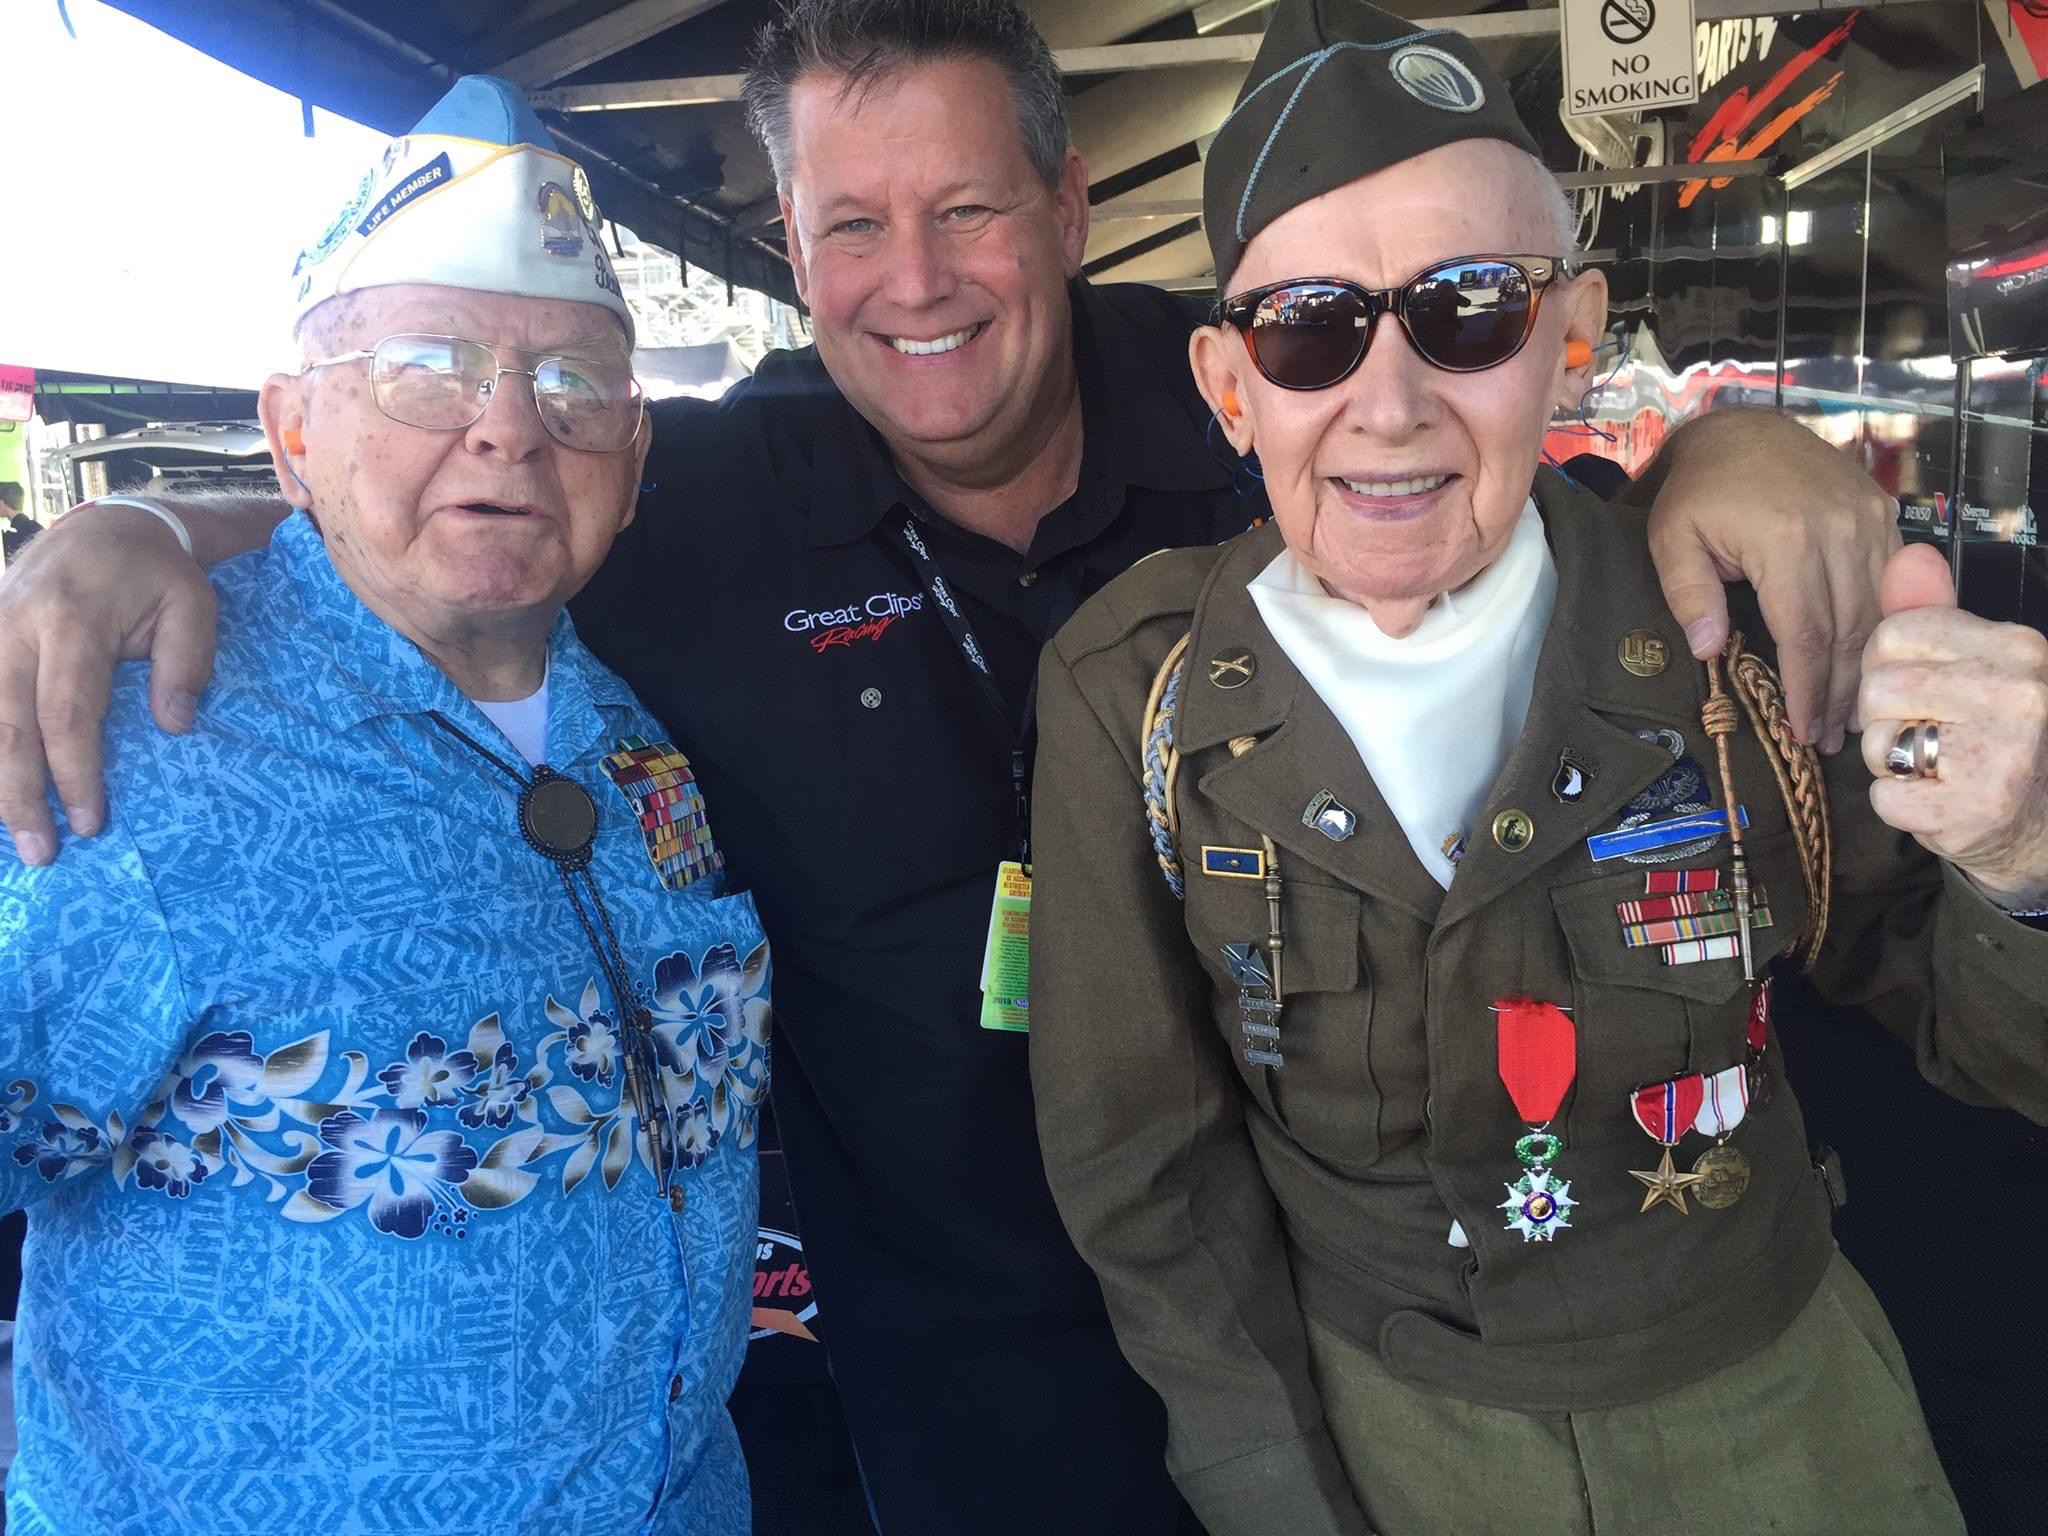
{"x": 445, "y": 384}
{"x": 1462, "y": 315}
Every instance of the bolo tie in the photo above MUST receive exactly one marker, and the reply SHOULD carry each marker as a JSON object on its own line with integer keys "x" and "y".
{"x": 558, "y": 820}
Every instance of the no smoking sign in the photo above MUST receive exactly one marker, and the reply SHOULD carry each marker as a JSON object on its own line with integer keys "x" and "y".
{"x": 1627, "y": 22}
{"x": 1627, "y": 56}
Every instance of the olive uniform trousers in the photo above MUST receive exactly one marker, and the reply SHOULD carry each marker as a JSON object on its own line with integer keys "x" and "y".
{"x": 1817, "y": 1434}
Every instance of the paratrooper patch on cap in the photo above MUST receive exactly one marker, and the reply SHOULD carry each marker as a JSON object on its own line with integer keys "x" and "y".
{"x": 1437, "y": 79}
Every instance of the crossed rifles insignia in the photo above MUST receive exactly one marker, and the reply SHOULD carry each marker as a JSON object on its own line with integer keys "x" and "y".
{"x": 1231, "y": 669}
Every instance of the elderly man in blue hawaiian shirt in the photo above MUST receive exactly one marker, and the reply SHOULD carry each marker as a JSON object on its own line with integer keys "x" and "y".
{"x": 382, "y": 1085}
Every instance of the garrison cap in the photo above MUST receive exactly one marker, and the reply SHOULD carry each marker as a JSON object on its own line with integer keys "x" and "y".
{"x": 478, "y": 196}
{"x": 1341, "y": 89}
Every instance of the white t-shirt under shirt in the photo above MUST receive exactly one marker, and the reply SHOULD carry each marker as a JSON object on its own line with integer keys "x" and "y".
{"x": 1434, "y": 715}
{"x": 523, "y": 722}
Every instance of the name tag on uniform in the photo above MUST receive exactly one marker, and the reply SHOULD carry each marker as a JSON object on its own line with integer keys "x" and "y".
{"x": 1652, "y": 835}
{"x": 1006, "y": 962}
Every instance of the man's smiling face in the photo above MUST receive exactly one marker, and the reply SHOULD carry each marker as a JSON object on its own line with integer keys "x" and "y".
{"x": 933, "y": 255}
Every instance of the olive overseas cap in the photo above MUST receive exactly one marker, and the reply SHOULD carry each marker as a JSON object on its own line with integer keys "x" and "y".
{"x": 1341, "y": 89}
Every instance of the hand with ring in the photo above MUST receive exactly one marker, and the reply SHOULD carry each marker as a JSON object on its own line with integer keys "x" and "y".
{"x": 1916, "y": 754}
{"x": 1955, "y": 731}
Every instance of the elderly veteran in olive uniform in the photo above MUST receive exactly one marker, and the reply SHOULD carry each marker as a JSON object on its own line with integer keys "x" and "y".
{"x": 381, "y": 1084}
{"x": 1398, "y": 1065}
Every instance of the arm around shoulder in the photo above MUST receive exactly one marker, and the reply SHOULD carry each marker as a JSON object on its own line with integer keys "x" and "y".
{"x": 92, "y": 1016}
{"x": 106, "y": 584}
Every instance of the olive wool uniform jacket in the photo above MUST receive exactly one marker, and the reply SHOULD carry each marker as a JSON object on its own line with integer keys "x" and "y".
{"x": 1220, "y": 1202}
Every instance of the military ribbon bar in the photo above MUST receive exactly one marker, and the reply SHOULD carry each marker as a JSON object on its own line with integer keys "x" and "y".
{"x": 1727, "y": 946}
{"x": 657, "y": 782}
{"x": 1669, "y": 882}
{"x": 1705, "y": 926}
{"x": 1653, "y": 909}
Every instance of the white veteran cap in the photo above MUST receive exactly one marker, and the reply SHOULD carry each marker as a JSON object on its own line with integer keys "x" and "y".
{"x": 476, "y": 196}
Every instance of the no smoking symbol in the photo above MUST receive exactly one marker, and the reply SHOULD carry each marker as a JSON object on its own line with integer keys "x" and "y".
{"x": 1627, "y": 21}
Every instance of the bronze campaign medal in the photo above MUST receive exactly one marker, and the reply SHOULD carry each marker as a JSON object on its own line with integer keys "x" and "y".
{"x": 1724, "y": 1177}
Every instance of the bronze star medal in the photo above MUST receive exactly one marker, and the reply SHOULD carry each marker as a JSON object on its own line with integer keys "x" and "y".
{"x": 1666, "y": 1111}
{"x": 1666, "y": 1184}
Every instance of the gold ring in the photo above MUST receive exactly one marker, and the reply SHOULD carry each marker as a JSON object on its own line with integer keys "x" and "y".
{"x": 1915, "y": 753}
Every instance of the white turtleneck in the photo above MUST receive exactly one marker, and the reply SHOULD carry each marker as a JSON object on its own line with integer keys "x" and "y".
{"x": 1435, "y": 714}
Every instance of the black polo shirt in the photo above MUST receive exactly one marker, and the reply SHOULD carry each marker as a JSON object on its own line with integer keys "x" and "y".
{"x": 766, "y": 608}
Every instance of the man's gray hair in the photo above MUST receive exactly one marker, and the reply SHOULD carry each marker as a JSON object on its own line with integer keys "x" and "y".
{"x": 866, "y": 42}
{"x": 1564, "y": 213}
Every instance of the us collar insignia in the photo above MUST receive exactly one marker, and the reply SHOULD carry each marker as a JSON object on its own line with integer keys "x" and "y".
{"x": 1232, "y": 669}
{"x": 657, "y": 782}
{"x": 1330, "y": 816}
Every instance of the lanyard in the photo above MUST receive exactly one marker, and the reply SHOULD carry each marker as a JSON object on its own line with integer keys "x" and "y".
{"x": 1019, "y": 731}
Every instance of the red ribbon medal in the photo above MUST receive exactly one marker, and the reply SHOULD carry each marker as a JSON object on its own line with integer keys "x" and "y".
{"x": 1759, "y": 1017}
{"x": 1666, "y": 1111}
{"x": 1759, "y": 1037}
{"x": 1537, "y": 1053}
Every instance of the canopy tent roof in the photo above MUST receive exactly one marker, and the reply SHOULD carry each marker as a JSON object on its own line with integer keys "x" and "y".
{"x": 689, "y": 176}
{"x": 644, "y": 91}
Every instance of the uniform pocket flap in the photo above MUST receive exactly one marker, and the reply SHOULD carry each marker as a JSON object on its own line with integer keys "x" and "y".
{"x": 1593, "y": 923}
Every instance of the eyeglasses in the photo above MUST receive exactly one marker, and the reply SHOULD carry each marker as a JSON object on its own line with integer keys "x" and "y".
{"x": 445, "y": 384}
{"x": 1462, "y": 316}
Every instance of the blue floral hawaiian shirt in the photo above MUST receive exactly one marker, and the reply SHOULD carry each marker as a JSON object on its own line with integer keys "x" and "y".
{"x": 340, "y": 1219}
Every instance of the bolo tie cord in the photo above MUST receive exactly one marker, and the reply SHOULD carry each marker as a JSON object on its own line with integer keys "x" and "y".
{"x": 641, "y": 1075}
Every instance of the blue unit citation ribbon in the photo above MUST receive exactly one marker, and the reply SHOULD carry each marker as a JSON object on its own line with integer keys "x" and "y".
{"x": 657, "y": 782}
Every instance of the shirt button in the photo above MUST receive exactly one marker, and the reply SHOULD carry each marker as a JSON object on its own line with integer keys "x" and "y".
{"x": 677, "y": 1200}
{"x": 1027, "y": 578}
{"x": 871, "y": 698}
{"x": 675, "y": 1389}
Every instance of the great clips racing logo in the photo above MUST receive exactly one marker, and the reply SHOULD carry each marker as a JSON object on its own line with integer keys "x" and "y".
{"x": 866, "y": 620}
{"x": 783, "y": 1302}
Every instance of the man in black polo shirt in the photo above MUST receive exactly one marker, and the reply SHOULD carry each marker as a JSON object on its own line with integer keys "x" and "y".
{"x": 976, "y": 425}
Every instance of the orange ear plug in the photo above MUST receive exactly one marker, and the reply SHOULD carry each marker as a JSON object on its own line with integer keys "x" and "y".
{"x": 294, "y": 442}
{"x": 1577, "y": 353}
{"x": 1230, "y": 406}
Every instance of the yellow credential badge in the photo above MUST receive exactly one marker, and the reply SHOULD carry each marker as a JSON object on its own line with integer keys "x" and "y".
{"x": 1006, "y": 962}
